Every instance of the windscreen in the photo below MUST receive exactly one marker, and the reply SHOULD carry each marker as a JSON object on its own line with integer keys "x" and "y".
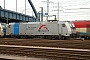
{"x": 72, "y": 25}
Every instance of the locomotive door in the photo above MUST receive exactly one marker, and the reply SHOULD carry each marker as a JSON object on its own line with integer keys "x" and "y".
{"x": 62, "y": 29}
{"x": 16, "y": 29}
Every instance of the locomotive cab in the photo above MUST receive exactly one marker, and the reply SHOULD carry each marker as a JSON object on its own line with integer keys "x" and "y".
{"x": 73, "y": 29}
{"x": 1, "y": 31}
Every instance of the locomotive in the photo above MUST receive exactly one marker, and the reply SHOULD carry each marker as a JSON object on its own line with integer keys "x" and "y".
{"x": 83, "y": 29}
{"x": 47, "y": 30}
{"x": 2, "y": 29}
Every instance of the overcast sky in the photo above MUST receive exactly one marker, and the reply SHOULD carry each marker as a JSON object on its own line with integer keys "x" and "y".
{"x": 69, "y": 9}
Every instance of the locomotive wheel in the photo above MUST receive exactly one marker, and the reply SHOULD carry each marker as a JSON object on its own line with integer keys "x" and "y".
{"x": 63, "y": 38}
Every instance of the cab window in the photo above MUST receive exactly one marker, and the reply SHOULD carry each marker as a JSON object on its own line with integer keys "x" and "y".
{"x": 63, "y": 25}
{"x": 9, "y": 26}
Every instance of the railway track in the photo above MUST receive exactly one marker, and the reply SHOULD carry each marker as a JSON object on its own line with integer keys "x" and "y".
{"x": 76, "y": 48}
{"x": 47, "y": 43}
{"x": 38, "y": 52}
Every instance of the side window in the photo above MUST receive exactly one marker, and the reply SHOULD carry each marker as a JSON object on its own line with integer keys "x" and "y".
{"x": 63, "y": 25}
{"x": 9, "y": 26}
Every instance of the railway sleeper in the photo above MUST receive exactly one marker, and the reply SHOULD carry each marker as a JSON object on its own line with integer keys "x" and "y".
{"x": 37, "y": 54}
{"x": 73, "y": 58}
{"x": 53, "y": 55}
{"x": 79, "y": 56}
